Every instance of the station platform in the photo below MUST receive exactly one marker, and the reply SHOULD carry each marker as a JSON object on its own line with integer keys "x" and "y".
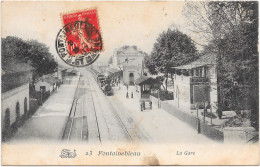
{"x": 49, "y": 121}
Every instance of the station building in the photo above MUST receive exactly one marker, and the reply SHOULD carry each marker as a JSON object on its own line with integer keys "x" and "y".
{"x": 15, "y": 93}
{"x": 196, "y": 83}
{"x": 129, "y": 59}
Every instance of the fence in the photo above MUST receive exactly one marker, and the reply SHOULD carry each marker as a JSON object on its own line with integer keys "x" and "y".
{"x": 163, "y": 94}
{"x": 207, "y": 130}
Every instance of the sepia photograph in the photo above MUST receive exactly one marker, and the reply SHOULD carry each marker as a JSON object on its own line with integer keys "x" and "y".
{"x": 129, "y": 83}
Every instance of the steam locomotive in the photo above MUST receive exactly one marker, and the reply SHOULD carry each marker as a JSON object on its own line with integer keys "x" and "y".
{"x": 104, "y": 84}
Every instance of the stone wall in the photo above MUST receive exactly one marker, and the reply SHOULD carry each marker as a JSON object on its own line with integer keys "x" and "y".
{"x": 9, "y": 100}
{"x": 203, "y": 128}
{"x": 238, "y": 134}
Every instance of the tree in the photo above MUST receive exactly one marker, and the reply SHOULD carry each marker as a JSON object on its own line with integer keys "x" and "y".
{"x": 172, "y": 48}
{"x": 36, "y": 54}
{"x": 232, "y": 27}
{"x": 13, "y": 49}
{"x": 41, "y": 58}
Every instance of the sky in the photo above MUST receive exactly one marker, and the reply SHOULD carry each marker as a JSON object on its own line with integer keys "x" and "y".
{"x": 121, "y": 23}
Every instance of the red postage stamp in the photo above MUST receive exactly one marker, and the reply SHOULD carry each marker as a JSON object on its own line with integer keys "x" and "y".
{"x": 79, "y": 42}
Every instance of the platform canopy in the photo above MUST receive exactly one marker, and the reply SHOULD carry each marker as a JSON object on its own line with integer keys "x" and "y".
{"x": 71, "y": 71}
{"x": 113, "y": 70}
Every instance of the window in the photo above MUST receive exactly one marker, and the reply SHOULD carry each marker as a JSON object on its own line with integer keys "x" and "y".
{"x": 131, "y": 75}
{"x": 7, "y": 118}
{"x": 6, "y": 130}
{"x": 43, "y": 88}
{"x": 146, "y": 88}
{"x": 200, "y": 72}
{"x": 197, "y": 72}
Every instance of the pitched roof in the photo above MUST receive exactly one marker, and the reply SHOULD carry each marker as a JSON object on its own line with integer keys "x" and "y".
{"x": 48, "y": 78}
{"x": 208, "y": 59}
{"x": 129, "y": 51}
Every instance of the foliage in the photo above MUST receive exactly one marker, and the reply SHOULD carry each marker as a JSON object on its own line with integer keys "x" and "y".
{"x": 236, "y": 121}
{"x": 36, "y": 54}
{"x": 172, "y": 48}
{"x": 232, "y": 32}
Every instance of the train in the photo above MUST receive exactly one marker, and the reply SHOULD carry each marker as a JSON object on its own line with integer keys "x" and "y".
{"x": 103, "y": 83}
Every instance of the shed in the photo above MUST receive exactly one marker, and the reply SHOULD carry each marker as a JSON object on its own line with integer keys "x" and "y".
{"x": 145, "y": 84}
{"x": 46, "y": 83}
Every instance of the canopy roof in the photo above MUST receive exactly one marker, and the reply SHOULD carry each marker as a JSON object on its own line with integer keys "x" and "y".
{"x": 143, "y": 80}
{"x": 112, "y": 70}
{"x": 71, "y": 71}
{"x": 209, "y": 59}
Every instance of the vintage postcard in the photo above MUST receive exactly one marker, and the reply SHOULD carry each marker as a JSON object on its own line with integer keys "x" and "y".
{"x": 129, "y": 83}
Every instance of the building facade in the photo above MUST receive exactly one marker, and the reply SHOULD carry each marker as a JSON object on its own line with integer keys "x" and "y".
{"x": 47, "y": 83}
{"x": 129, "y": 59}
{"x": 196, "y": 83}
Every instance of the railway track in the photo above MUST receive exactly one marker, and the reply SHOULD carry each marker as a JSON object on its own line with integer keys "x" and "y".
{"x": 117, "y": 118}
{"x": 71, "y": 131}
{"x": 72, "y": 120}
{"x": 123, "y": 125}
{"x": 92, "y": 100}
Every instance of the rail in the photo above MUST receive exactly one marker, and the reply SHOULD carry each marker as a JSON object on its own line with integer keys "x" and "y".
{"x": 71, "y": 110}
{"x": 95, "y": 114}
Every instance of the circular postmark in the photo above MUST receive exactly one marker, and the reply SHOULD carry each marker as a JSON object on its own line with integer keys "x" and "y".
{"x": 79, "y": 43}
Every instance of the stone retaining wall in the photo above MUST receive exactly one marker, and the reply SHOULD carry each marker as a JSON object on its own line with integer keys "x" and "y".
{"x": 204, "y": 129}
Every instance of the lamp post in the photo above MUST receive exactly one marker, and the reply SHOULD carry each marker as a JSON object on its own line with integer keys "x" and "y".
{"x": 198, "y": 120}
{"x": 127, "y": 96}
{"x": 158, "y": 98}
{"x": 205, "y": 110}
{"x": 41, "y": 95}
{"x": 235, "y": 84}
{"x": 197, "y": 108}
{"x": 211, "y": 114}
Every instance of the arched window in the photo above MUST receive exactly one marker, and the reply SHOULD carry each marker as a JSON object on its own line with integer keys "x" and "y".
{"x": 7, "y": 119}
{"x": 17, "y": 109}
{"x": 6, "y": 130}
{"x": 131, "y": 75}
{"x": 25, "y": 105}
